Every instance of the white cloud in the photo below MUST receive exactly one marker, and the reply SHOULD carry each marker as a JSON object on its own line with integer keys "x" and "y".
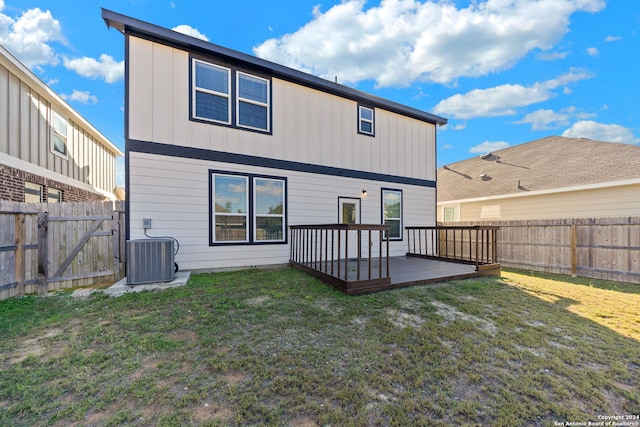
{"x": 106, "y": 68}
{"x": 399, "y": 42}
{"x": 592, "y": 51}
{"x": 487, "y": 147}
{"x": 551, "y": 56}
{"x": 612, "y": 38}
{"x": 545, "y": 119}
{"x": 601, "y": 132}
{"x": 190, "y": 31}
{"x": 503, "y": 100}
{"x": 29, "y": 36}
{"x": 80, "y": 96}
{"x": 549, "y": 119}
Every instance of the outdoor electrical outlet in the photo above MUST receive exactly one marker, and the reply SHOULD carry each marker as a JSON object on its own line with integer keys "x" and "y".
{"x": 146, "y": 222}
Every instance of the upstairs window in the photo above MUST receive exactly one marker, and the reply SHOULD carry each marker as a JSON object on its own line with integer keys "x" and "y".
{"x": 211, "y": 98}
{"x": 365, "y": 120}
{"x": 245, "y": 103}
{"x": 59, "y": 134}
{"x": 253, "y": 102}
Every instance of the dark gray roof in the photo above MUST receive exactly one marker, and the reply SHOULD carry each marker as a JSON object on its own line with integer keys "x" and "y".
{"x": 544, "y": 164}
{"x": 126, "y": 24}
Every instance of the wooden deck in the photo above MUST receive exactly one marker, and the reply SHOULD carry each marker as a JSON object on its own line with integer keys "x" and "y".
{"x": 405, "y": 271}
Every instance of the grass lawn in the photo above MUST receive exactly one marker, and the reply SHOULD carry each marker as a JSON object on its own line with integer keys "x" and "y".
{"x": 279, "y": 348}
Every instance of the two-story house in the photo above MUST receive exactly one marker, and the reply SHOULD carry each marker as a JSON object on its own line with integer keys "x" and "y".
{"x": 48, "y": 151}
{"x": 224, "y": 151}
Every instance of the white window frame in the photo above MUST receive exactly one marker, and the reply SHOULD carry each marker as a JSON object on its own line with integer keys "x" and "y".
{"x": 362, "y": 119}
{"x": 35, "y": 187}
{"x": 58, "y": 132}
{"x": 195, "y": 88}
{"x": 449, "y": 211}
{"x": 256, "y": 215}
{"x": 399, "y": 219}
{"x": 57, "y": 199}
{"x": 239, "y": 99}
{"x": 215, "y": 214}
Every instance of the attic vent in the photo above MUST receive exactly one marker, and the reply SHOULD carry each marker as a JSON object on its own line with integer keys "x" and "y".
{"x": 486, "y": 156}
{"x": 149, "y": 261}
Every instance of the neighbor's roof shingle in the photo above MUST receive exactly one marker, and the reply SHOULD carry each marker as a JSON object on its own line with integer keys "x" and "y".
{"x": 548, "y": 163}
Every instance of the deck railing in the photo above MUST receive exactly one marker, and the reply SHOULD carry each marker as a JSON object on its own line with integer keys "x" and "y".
{"x": 475, "y": 245}
{"x": 351, "y": 257}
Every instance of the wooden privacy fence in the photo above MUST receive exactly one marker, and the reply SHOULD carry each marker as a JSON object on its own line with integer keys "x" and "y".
{"x": 51, "y": 246}
{"x": 598, "y": 248}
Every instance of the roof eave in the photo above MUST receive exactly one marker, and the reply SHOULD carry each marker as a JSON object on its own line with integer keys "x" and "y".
{"x": 595, "y": 186}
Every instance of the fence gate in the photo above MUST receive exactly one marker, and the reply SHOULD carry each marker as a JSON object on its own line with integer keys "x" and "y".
{"x": 46, "y": 247}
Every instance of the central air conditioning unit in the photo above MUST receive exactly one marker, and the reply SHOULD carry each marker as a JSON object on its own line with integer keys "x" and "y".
{"x": 150, "y": 261}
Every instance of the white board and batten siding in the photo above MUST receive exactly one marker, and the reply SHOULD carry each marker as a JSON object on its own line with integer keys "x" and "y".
{"x": 309, "y": 127}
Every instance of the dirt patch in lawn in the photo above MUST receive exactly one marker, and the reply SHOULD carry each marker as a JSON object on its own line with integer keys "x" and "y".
{"x": 41, "y": 347}
{"x": 450, "y": 314}
{"x": 404, "y": 320}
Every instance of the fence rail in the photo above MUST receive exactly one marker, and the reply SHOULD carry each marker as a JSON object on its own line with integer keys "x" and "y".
{"x": 47, "y": 247}
{"x": 351, "y": 257}
{"x": 598, "y": 248}
{"x": 475, "y": 245}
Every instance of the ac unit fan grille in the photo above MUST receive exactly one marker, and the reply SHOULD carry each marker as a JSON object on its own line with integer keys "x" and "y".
{"x": 150, "y": 261}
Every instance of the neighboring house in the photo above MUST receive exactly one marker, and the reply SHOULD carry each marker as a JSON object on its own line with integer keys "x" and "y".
{"x": 224, "y": 151}
{"x": 553, "y": 177}
{"x": 48, "y": 152}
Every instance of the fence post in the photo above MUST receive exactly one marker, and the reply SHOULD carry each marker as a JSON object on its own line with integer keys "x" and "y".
{"x": 574, "y": 250}
{"x": 42, "y": 253}
{"x": 19, "y": 254}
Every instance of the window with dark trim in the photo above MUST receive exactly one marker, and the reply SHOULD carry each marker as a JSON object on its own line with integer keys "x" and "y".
{"x": 252, "y": 102}
{"x": 392, "y": 212}
{"x": 365, "y": 120}
{"x": 215, "y": 89}
{"x": 247, "y": 209}
{"x": 211, "y": 92}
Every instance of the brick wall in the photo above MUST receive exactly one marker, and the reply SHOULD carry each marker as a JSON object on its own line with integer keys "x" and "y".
{"x": 12, "y": 186}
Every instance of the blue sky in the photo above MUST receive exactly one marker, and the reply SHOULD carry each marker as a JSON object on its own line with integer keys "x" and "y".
{"x": 503, "y": 72}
